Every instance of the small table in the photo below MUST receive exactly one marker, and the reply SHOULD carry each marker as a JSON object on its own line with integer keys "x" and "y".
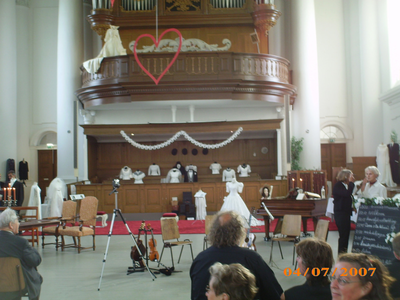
{"x": 34, "y": 224}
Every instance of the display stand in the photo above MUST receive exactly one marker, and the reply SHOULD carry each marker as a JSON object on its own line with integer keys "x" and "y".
{"x": 134, "y": 267}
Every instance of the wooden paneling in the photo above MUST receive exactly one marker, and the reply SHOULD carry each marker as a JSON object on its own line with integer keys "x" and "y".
{"x": 111, "y": 157}
{"x": 150, "y": 198}
{"x": 360, "y": 163}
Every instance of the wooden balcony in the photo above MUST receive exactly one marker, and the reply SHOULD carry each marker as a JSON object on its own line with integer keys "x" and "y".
{"x": 193, "y": 76}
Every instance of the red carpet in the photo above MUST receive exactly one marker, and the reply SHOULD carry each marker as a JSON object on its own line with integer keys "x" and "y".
{"x": 187, "y": 227}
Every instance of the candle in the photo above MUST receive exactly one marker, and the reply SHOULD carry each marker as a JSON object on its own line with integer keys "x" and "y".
{"x": 9, "y": 192}
{"x": 15, "y": 198}
{"x": 292, "y": 183}
{"x": 301, "y": 183}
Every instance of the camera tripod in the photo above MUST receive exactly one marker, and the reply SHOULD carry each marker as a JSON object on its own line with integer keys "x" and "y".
{"x": 117, "y": 210}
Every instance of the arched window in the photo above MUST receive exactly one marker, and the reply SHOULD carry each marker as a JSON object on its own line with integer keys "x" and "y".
{"x": 331, "y": 134}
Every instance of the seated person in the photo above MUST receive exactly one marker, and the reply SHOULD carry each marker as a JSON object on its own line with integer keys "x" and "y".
{"x": 371, "y": 187}
{"x": 374, "y": 285}
{"x": 312, "y": 253}
{"x": 16, "y": 246}
{"x": 226, "y": 232}
{"x": 394, "y": 268}
{"x": 231, "y": 282}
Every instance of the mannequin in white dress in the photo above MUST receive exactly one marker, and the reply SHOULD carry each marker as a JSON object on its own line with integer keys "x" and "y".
{"x": 244, "y": 170}
{"x": 215, "y": 168}
{"x": 234, "y": 202}
{"x": 201, "y": 204}
{"x": 382, "y": 162}
{"x": 154, "y": 170}
{"x": 35, "y": 200}
{"x": 126, "y": 173}
{"x": 56, "y": 193}
{"x": 138, "y": 176}
{"x": 228, "y": 174}
{"x": 174, "y": 176}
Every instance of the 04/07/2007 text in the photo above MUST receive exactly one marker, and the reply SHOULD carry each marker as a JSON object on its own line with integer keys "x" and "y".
{"x": 325, "y": 272}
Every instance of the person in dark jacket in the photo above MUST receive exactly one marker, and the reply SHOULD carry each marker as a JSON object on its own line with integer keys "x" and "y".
{"x": 343, "y": 206}
{"x": 12, "y": 245}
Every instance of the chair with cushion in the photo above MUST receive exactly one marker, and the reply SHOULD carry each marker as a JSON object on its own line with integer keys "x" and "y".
{"x": 208, "y": 222}
{"x": 291, "y": 230}
{"x": 12, "y": 283}
{"x": 170, "y": 235}
{"x": 87, "y": 224}
{"x": 68, "y": 215}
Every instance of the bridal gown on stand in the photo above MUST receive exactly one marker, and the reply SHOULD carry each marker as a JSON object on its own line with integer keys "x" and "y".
{"x": 234, "y": 202}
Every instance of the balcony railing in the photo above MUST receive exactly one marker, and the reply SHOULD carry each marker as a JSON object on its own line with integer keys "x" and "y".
{"x": 200, "y": 75}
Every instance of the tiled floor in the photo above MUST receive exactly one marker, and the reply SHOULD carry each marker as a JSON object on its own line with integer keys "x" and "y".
{"x": 69, "y": 275}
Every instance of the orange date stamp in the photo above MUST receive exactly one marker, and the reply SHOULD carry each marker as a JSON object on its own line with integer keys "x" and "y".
{"x": 316, "y": 272}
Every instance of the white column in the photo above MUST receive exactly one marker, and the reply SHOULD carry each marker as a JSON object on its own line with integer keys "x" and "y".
{"x": 305, "y": 76}
{"x": 8, "y": 83}
{"x": 191, "y": 109}
{"x": 371, "y": 108}
{"x": 173, "y": 110}
{"x": 279, "y": 150}
{"x": 69, "y": 59}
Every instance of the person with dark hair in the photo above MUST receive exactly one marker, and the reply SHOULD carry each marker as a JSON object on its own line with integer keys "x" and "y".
{"x": 343, "y": 206}
{"x": 394, "y": 268}
{"x": 226, "y": 232}
{"x": 12, "y": 245}
{"x": 371, "y": 280}
{"x": 231, "y": 282}
{"x": 313, "y": 253}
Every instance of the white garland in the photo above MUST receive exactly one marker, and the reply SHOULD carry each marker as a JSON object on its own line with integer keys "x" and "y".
{"x": 188, "y": 137}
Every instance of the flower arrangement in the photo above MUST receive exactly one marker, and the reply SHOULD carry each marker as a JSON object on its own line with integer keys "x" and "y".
{"x": 391, "y": 202}
{"x": 389, "y": 238}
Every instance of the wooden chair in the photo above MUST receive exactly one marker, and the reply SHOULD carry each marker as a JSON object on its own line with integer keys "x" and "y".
{"x": 87, "y": 224}
{"x": 291, "y": 230}
{"x": 12, "y": 283}
{"x": 208, "y": 222}
{"x": 321, "y": 230}
{"x": 68, "y": 215}
{"x": 169, "y": 232}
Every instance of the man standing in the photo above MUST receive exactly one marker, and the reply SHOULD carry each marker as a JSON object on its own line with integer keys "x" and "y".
{"x": 12, "y": 245}
{"x": 225, "y": 235}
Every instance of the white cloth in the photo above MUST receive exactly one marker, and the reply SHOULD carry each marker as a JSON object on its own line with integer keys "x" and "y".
{"x": 35, "y": 200}
{"x": 228, "y": 175}
{"x": 244, "y": 171}
{"x": 201, "y": 204}
{"x": 174, "y": 176}
{"x": 215, "y": 168}
{"x": 112, "y": 47}
{"x": 234, "y": 202}
{"x": 154, "y": 170}
{"x": 376, "y": 190}
{"x": 126, "y": 173}
{"x": 56, "y": 193}
{"x": 382, "y": 162}
{"x": 138, "y": 176}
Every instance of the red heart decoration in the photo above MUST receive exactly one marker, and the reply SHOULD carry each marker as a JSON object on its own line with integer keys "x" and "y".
{"x": 156, "y": 43}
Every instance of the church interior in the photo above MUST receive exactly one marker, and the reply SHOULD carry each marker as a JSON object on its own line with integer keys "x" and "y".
{"x": 167, "y": 97}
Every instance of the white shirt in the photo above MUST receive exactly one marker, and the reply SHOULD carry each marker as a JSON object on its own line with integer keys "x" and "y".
{"x": 154, "y": 170}
{"x": 243, "y": 171}
{"x": 126, "y": 173}
{"x": 215, "y": 168}
{"x": 376, "y": 190}
{"x": 228, "y": 175}
{"x": 174, "y": 176}
{"x": 138, "y": 176}
{"x": 191, "y": 167}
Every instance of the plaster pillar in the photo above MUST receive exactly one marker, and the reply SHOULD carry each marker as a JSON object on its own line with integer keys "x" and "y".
{"x": 305, "y": 116}
{"x": 69, "y": 59}
{"x": 173, "y": 110}
{"x": 191, "y": 109}
{"x": 8, "y": 83}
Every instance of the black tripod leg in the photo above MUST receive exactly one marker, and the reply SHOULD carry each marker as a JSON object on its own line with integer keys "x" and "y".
{"x": 137, "y": 247}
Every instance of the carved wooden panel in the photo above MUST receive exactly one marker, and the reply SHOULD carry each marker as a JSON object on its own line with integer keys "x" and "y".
{"x": 132, "y": 200}
{"x": 153, "y": 201}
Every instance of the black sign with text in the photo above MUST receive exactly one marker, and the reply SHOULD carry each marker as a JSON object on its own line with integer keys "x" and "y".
{"x": 373, "y": 225}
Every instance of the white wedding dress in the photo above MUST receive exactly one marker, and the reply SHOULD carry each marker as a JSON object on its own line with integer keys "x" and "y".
{"x": 234, "y": 202}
